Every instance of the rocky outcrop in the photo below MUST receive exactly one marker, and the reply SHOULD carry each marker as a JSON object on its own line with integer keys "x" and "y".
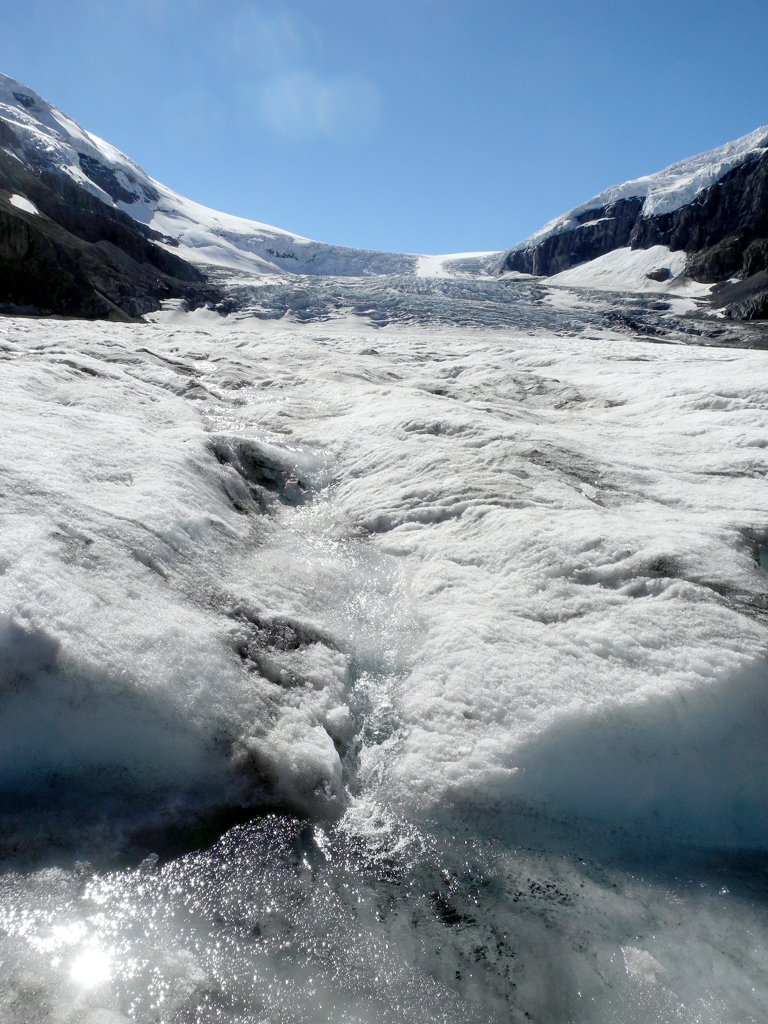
{"x": 743, "y": 300}
{"x": 78, "y": 256}
{"x": 662, "y": 274}
{"x": 599, "y": 231}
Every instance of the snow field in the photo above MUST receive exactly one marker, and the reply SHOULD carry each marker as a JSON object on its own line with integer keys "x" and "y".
{"x": 626, "y": 270}
{"x": 119, "y": 632}
{"x": 22, "y": 203}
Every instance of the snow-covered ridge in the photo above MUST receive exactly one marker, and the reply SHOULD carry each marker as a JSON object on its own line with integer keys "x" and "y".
{"x": 664, "y": 192}
{"x": 50, "y": 139}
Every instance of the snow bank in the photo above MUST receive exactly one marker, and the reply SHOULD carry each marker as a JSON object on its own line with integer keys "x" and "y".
{"x": 21, "y": 203}
{"x": 686, "y": 765}
{"x": 629, "y": 269}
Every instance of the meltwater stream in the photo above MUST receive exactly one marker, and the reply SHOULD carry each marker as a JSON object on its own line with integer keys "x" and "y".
{"x": 361, "y": 664}
{"x": 284, "y": 921}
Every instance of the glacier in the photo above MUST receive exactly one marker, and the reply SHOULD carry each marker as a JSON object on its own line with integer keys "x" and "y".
{"x": 390, "y": 649}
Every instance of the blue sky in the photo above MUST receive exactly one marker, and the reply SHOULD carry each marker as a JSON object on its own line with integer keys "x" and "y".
{"x": 421, "y": 126}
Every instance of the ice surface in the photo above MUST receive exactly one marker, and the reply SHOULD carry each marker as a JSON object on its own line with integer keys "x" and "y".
{"x": 162, "y": 540}
{"x": 469, "y": 579}
{"x": 286, "y": 922}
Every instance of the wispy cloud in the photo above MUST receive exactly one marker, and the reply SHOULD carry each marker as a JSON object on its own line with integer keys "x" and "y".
{"x": 299, "y": 105}
{"x": 268, "y": 62}
{"x": 280, "y": 52}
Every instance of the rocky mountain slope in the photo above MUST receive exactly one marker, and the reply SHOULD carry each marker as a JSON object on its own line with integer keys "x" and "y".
{"x": 62, "y": 250}
{"x": 108, "y": 240}
{"x": 713, "y": 207}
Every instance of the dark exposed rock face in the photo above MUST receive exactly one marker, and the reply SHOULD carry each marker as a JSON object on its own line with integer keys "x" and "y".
{"x": 662, "y": 274}
{"x": 106, "y": 178}
{"x": 80, "y": 257}
{"x": 744, "y": 300}
{"x": 724, "y": 231}
{"x": 601, "y": 230}
{"x": 755, "y": 257}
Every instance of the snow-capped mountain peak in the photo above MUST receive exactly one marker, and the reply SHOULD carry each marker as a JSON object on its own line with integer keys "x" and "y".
{"x": 663, "y": 192}
{"x": 48, "y": 138}
{"x": 43, "y": 136}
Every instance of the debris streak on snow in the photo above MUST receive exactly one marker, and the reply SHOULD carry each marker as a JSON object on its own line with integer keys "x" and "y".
{"x": 395, "y": 650}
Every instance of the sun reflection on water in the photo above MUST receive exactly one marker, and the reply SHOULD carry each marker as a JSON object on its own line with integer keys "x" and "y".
{"x": 91, "y": 968}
